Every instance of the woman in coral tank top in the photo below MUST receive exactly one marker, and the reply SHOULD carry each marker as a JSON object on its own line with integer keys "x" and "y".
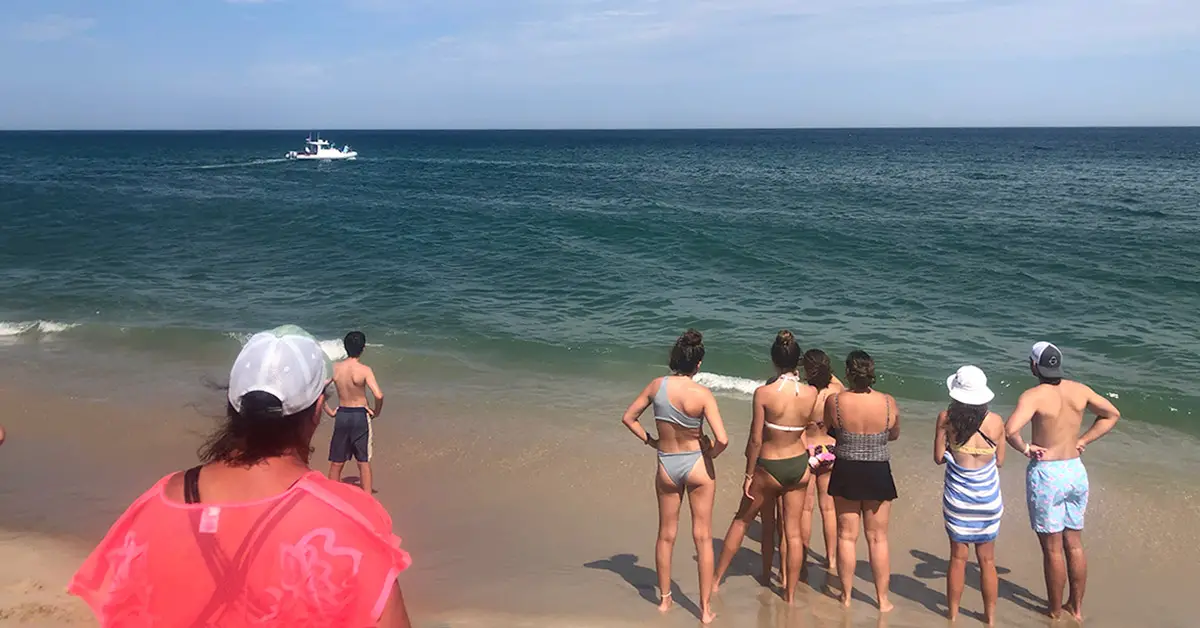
{"x": 253, "y": 537}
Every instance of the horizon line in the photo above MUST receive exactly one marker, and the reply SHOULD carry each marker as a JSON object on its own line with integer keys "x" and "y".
{"x": 590, "y": 129}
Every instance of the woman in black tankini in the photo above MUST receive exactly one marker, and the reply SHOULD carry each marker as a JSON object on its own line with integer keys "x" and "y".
{"x": 863, "y": 420}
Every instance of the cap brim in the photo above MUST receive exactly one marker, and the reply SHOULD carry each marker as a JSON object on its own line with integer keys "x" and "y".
{"x": 973, "y": 398}
{"x": 1049, "y": 372}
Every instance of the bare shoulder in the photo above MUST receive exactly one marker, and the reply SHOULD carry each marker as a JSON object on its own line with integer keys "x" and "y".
{"x": 173, "y": 488}
{"x": 1031, "y": 395}
{"x": 943, "y": 417}
{"x": 993, "y": 423}
{"x": 1077, "y": 388}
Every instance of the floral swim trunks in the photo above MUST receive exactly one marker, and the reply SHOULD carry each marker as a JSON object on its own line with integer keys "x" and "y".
{"x": 1057, "y": 494}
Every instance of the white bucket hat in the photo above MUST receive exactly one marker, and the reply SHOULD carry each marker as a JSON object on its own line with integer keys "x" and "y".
{"x": 969, "y": 385}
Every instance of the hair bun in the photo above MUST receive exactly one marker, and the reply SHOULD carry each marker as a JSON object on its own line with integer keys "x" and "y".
{"x": 691, "y": 338}
{"x": 785, "y": 338}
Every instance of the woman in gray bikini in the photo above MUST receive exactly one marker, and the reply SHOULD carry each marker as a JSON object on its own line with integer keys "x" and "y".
{"x": 685, "y": 458}
{"x": 776, "y": 459}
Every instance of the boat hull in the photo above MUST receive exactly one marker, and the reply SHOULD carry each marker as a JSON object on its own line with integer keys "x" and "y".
{"x": 335, "y": 157}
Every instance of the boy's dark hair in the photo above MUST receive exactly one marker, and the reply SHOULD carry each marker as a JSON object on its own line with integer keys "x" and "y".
{"x": 355, "y": 342}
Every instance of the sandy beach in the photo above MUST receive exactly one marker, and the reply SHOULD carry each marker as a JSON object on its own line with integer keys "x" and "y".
{"x": 523, "y": 511}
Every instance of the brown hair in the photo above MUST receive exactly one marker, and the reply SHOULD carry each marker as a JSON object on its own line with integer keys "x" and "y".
{"x": 259, "y": 431}
{"x": 860, "y": 370}
{"x": 687, "y": 353}
{"x": 785, "y": 353}
{"x": 818, "y": 371}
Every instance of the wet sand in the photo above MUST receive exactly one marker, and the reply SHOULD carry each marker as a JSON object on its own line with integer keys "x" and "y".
{"x": 527, "y": 504}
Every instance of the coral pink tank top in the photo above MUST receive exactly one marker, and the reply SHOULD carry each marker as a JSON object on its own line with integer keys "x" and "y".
{"x": 320, "y": 554}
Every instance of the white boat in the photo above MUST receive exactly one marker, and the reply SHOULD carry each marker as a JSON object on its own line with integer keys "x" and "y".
{"x": 321, "y": 149}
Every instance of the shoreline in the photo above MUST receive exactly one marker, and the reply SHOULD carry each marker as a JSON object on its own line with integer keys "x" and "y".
{"x": 543, "y": 514}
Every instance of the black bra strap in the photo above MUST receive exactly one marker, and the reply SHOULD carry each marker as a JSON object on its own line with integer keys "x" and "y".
{"x": 191, "y": 485}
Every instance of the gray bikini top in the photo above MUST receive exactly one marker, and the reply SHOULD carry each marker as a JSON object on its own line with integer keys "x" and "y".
{"x": 665, "y": 411}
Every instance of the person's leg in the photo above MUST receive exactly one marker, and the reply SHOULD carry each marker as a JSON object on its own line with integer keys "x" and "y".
{"x": 1055, "y": 570}
{"x": 1045, "y": 497}
{"x": 793, "y": 500}
{"x": 362, "y": 451}
{"x": 849, "y": 513}
{"x": 335, "y": 471}
{"x": 1076, "y": 571}
{"x": 806, "y": 513}
{"x": 875, "y": 521}
{"x": 339, "y": 447}
{"x": 956, "y": 575}
{"x": 747, "y": 510}
{"x": 769, "y": 519}
{"x": 989, "y": 581}
{"x": 783, "y": 544}
{"x": 670, "y": 500}
{"x": 1075, "y": 507}
{"x": 828, "y": 521}
{"x": 702, "y": 488}
{"x": 364, "y": 474}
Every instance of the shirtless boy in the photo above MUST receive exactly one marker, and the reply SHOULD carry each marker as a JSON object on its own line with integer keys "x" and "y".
{"x": 1056, "y": 483}
{"x": 352, "y": 420}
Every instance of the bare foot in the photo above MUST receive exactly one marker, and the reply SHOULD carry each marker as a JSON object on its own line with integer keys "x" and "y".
{"x": 1055, "y": 613}
{"x": 989, "y": 620}
{"x": 952, "y": 614}
{"x": 716, "y": 585}
{"x": 707, "y": 616}
{"x": 1067, "y": 608}
{"x": 665, "y": 604}
{"x": 885, "y": 606}
{"x": 844, "y": 598}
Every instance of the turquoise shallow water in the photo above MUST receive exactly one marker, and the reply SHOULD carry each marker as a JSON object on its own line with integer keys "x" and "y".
{"x": 587, "y": 252}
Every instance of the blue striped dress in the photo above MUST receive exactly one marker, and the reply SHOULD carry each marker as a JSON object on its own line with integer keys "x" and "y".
{"x": 971, "y": 502}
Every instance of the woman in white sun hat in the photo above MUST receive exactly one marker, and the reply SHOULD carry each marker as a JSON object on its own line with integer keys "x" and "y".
{"x": 970, "y": 441}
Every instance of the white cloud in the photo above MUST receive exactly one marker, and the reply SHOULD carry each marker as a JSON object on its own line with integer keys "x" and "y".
{"x": 54, "y": 27}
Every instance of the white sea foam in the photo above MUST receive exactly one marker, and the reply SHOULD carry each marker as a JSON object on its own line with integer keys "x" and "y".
{"x": 335, "y": 349}
{"x": 53, "y": 327}
{"x": 727, "y": 383}
{"x": 1114, "y": 395}
{"x": 239, "y": 164}
{"x": 25, "y": 327}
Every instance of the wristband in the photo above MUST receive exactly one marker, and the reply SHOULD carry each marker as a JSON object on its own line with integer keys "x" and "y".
{"x": 1026, "y": 449}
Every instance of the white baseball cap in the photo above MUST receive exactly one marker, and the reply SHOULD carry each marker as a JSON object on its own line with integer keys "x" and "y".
{"x": 286, "y": 362}
{"x": 969, "y": 385}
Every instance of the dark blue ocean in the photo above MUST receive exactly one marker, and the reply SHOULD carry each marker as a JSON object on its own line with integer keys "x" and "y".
{"x": 588, "y": 252}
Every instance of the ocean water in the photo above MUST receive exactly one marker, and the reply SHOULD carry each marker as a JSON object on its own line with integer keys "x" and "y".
{"x": 586, "y": 253}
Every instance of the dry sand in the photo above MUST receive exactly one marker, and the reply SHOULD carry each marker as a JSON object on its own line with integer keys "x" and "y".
{"x": 524, "y": 516}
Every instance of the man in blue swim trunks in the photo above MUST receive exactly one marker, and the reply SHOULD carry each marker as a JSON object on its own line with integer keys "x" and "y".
{"x": 1056, "y": 483}
{"x": 352, "y": 420}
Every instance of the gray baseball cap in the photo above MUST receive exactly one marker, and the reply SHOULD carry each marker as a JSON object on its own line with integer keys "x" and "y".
{"x": 1047, "y": 359}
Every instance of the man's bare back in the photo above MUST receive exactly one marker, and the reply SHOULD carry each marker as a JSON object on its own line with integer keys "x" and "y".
{"x": 352, "y": 379}
{"x": 1056, "y": 412}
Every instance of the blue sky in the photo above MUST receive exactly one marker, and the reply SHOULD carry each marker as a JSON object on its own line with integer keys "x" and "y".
{"x": 186, "y": 64}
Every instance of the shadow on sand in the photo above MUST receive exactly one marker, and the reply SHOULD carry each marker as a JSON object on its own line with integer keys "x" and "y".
{"x": 357, "y": 481}
{"x": 643, "y": 579}
{"x": 933, "y": 567}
